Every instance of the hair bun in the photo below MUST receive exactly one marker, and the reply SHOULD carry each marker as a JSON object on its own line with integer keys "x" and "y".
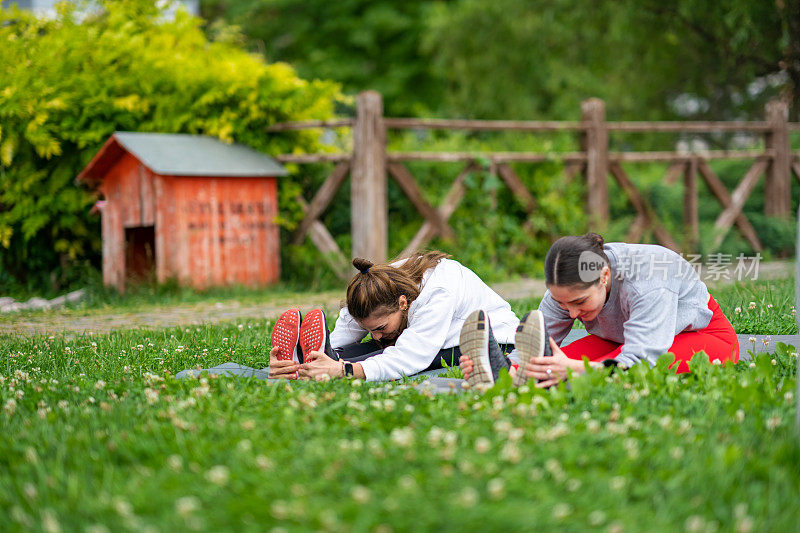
{"x": 596, "y": 239}
{"x": 363, "y": 265}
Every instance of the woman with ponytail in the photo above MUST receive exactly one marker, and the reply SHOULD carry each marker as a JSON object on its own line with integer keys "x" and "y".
{"x": 636, "y": 301}
{"x": 413, "y": 309}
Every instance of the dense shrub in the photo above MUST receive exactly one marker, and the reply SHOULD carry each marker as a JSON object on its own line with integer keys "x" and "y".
{"x": 66, "y": 84}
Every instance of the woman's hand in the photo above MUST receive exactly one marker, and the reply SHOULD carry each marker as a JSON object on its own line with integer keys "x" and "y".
{"x": 317, "y": 364}
{"x": 551, "y": 370}
{"x": 281, "y": 369}
{"x": 466, "y": 365}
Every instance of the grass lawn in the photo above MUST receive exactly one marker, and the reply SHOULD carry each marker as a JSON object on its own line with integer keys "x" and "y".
{"x": 97, "y": 436}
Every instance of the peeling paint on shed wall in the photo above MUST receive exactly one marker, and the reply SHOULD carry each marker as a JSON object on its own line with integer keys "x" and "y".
{"x": 221, "y": 231}
{"x": 209, "y": 231}
{"x": 208, "y": 215}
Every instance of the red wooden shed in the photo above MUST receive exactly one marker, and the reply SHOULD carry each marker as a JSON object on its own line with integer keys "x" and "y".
{"x": 186, "y": 207}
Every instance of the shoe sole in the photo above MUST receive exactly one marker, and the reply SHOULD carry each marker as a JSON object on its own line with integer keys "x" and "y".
{"x": 529, "y": 342}
{"x": 313, "y": 332}
{"x": 475, "y": 345}
{"x": 285, "y": 335}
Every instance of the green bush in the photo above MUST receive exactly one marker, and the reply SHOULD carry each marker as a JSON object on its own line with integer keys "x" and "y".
{"x": 68, "y": 83}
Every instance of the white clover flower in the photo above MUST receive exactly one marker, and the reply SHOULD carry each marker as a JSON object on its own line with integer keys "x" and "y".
{"x": 482, "y": 445}
{"x": 30, "y": 491}
{"x": 774, "y": 362}
{"x": 50, "y": 523}
{"x": 561, "y": 511}
{"x": 10, "y": 407}
{"x": 738, "y": 310}
{"x": 360, "y": 494}
{"x": 403, "y": 437}
{"x": 218, "y": 475}
{"x": 100, "y": 384}
{"x": 263, "y": 462}
{"x": 740, "y": 415}
{"x": 407, "y": 482}
{"x": 752, "y": 305}
{"x": 187, "y": 505}
{"x": 468, "y": 497}
{"x": 496, "y": 488}
{"x": 123, "y": 508}
{"x": 694, "y": 524}
{"x": 280, "y": 510}
{"x": 151, "y": 395}
{"x": 596, "y": 518}
{"x": 435, "y": 435}
{"x": 744, "y": 525}
{"x": 175, "y": 462}
{"x": 511, "y": 453}
{"x": 617, "y": 483}
{"x": 773, "y": 422}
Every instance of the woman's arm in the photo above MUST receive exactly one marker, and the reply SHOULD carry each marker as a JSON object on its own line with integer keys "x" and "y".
{"x": 650, "y": 330}
{"x": 346, "y": 330}
{"x": 418, "y": 345}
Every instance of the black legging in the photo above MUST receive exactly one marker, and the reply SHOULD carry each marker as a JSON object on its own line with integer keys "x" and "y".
{"x": 360, "y": 351}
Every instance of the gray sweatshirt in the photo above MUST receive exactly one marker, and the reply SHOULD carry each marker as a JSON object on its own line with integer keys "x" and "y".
{"x": 655, "y": 294}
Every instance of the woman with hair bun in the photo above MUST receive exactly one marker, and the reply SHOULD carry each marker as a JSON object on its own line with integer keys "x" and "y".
{"x": 636, "y": 301}
{"x": 413, "y": 309}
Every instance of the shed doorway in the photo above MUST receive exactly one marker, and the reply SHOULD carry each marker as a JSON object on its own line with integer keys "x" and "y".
{"x": 140, "y": 253}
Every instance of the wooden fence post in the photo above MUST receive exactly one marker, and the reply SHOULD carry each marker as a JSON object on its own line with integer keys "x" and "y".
{"x": 691, "y": 216}
{"x": 368, "y": 209}
{"x": 595, "y": 143}
{"x": 778, "y": 191}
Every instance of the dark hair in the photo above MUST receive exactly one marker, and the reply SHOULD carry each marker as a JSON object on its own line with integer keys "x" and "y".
{"x": 378, "y": 287}
{"x": 562, "y": 264}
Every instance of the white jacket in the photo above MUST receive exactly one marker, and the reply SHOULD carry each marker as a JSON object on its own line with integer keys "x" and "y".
{"x": 449, "y": 293}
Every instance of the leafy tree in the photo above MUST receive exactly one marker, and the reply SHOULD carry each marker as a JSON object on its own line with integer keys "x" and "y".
{"x": 67, "y": 84}
{"x": 535, "y": 58}
{"x": 646, "y": 59}
{"x": 364, "y": 44}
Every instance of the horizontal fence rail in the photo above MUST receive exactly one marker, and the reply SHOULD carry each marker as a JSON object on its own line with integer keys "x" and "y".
{"x": 370, "y": 164}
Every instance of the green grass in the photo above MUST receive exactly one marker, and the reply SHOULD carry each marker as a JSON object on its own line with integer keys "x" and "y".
{"x": 759, "y": 308}
{"x": 98, "y": 436}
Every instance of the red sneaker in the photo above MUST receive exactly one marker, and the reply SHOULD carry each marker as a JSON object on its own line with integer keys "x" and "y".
{"x": 314, "y": 333}
{"x": 285, "y": 335}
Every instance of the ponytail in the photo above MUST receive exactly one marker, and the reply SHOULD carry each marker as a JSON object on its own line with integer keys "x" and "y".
{"x": 379, "y": 287}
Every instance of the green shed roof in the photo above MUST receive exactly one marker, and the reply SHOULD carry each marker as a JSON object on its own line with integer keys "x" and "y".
{"x": 180, "y": 154}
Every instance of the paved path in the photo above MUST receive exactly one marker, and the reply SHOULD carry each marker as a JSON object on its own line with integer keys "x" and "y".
{"x": 92, "y": 321}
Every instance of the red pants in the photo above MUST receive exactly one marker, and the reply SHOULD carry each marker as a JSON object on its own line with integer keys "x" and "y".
{"x": 718, "y": 340}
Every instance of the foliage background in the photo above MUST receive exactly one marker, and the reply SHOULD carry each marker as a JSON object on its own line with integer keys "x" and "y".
{"x": 68, "y": 83}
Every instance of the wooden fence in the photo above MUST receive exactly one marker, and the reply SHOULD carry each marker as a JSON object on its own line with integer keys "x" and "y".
{"x": 370, "y": 163}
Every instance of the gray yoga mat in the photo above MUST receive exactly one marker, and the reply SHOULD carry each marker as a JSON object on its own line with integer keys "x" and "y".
{"x": 437, "y": 384}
